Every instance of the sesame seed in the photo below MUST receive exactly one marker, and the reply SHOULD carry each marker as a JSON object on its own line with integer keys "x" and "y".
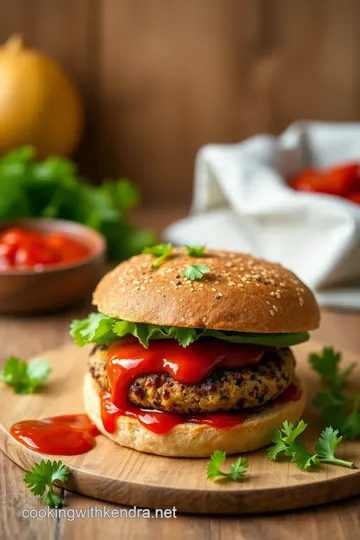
{"x": 272, "y": 293}
{"x": 192, "y": 289}
{"x": 158, "y": 290}
{"x": 231, "y": 283}
{"x": 277, "y": 294}
{"x": 275, "y": 308}
{"x": 272, "y": 313}
{"x": 218, "y": 295}
{"x": 213, "y": 289}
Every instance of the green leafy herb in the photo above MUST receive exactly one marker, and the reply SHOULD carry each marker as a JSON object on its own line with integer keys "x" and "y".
{"x": 195, "y": 251}
{"x": 101, "y": 329}
{"x": 337, "y": 409}
{"x": 237, "y": 469}
{"x": 42, "y": 476}
{"x": 25, "y": 377}
{"x": 195, "y": 271}
{"x": 285, "y": 441}
{"x": 53, "y": 189}
{"x": 327, "y": 365}
{"x": 161, "y": 251}
{"x": 326, "y": 446}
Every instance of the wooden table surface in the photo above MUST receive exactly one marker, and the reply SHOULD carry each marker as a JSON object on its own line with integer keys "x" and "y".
{"x": 27, "y": 337}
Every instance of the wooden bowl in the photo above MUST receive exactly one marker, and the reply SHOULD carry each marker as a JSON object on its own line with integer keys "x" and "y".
{"x": 28, "y": 291}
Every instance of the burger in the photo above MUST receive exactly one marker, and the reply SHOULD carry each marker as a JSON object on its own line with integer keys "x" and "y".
{"x": 189, "y": 352}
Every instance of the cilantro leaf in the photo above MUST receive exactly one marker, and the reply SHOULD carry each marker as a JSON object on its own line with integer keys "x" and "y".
{"x": 337, "y": 410}
{"x": 351, "y": 425}
{"x": 327, "y": 366}
{"x": 285, "y": 441}
{"x": 218, "y": 458}
{"x": 195, "y": 271}
{"x": 161, "y": 251}
{"x": 99, "y": 328}
{"x": 278, "y": 446}
{"x": 42, "y": 476}
{"x": 185, "y": 336}
{"x": 326, "y": 446}
{"x": 195, "y": 251}
{"x": 25, "y": 377}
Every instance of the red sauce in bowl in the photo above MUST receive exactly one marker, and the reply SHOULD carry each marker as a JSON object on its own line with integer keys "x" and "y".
{"x": 22, "y": 249}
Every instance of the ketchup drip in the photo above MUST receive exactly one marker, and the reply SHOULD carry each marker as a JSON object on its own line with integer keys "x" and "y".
{"x": 65, "y": 435}
{"x": 127, "y": 360}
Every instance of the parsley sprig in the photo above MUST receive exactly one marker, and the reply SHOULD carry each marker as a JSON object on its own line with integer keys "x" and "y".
{"x": 25, "y": 378}
{"x": 41, "y": 478}
{"x": 337, "y": 409}
{"x": 195, "y": 271}
{"x": 237, "y": 469}
{"x": 161, "y": 251}
{"x": 285, "y": 441}
{"x": 195, "y": 251}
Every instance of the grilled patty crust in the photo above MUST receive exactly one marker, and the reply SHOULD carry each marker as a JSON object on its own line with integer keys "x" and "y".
{"x": 224, "y": 390}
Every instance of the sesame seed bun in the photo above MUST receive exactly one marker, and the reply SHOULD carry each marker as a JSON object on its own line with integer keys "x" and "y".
{"x": 195, "y": 440}
{"x": 240, "y": 293}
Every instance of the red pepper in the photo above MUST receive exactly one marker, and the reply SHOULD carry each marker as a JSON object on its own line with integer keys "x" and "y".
{"x": 339, "y": 181}
{"x": 355, "y": 197}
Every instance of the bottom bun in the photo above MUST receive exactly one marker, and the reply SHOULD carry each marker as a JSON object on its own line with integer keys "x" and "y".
{"x": 194, "y": 440}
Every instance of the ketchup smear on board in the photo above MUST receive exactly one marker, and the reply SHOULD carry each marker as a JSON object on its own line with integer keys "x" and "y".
{"x": 30, "y": 250}
{"x": 66, "y": 435}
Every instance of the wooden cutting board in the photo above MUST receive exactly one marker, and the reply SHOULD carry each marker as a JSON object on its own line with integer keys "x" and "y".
{"x": 112, "y": 473}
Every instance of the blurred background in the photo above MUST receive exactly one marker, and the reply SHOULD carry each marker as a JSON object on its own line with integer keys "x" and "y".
{"x": 160, "y": 79}
{"x": 109, "y": 89}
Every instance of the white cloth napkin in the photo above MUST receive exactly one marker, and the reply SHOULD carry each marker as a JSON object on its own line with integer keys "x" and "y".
{"x": 241, "y": 202}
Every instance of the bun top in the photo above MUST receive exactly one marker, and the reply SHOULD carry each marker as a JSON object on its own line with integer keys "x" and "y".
{"x": 240, "y": 293}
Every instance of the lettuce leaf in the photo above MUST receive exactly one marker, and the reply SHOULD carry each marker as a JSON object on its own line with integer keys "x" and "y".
{"x": 101, "y": 329}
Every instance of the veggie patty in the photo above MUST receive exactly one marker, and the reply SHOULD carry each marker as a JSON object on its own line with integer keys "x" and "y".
{"x": 224, "y": 390}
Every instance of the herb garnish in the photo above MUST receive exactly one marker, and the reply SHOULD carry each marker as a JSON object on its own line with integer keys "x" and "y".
{"x": 195, "y": 251}
{"x": 218, "y": 458}
{"x": 195, "y": 271}
{"x": 337, "y": 409}
{"x": 161, "y": 251}
{"x": 25, "y": 377}
{"x": 285, "y": 440}
{"x": 42, "y": 476}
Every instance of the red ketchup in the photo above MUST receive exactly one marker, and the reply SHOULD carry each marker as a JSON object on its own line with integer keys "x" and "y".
{"x": 30, "y": 250}
{"x": 127, "y": 360}
{"x": 66, "y": 435}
